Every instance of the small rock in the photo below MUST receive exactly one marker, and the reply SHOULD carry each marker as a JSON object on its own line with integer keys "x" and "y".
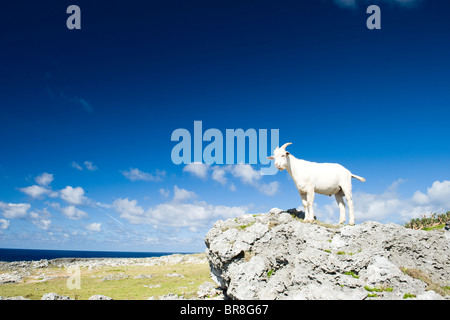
{"x": 100, "y": 297}
{"x": 115, "y": 277}
{"x": 13, "y": 298}
{"x": 143, "y": 276}
{"x": 54, "y": 296}
{"x": 174, "y": 275}
{"x": 13, "y": 277}
{"x": 208, "y": 290}
{"x": 171, "y": 296}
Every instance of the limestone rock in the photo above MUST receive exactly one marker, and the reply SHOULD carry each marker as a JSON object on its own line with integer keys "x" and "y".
{"x": 277, "y": 256}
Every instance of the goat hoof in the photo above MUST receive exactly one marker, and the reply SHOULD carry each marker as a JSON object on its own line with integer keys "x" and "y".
{"x": 352, "y": 223}
{"x": 342, "y": 222}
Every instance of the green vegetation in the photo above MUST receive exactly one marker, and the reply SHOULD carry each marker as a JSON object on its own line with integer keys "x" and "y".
{"x": 131, "y": 288}
{"x": 245, "y": 226}
{"x": 408, "y": 296}
{"x": 378, "y": 289}
{"x": 435, "y": 221}
{"x": 269, "y": 273}
{"x": 431, "y": 285}
{"x": 352, "y": 273}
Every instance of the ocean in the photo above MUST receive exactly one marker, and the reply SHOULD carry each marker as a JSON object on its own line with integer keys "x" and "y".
{"x": 36, "y": 254}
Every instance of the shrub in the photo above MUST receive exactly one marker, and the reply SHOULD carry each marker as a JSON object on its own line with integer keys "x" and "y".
{"x": 428, "y": 223}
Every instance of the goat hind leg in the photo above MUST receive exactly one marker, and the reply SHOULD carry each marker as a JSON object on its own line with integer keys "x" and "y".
{"x": 340, "y": 201}
{"x": 351, "y": 210}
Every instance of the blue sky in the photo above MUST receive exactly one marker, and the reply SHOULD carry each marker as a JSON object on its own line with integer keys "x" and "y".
{"x": 87, "y": 115}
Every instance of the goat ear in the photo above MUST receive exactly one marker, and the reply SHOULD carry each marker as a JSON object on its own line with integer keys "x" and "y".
{"x": 271, "y": 158}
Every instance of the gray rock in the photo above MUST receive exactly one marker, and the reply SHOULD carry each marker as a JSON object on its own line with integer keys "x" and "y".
{"x": 100, "y": 297}
{"x": 174, "y": 275}
{"x": 143, "y": 276}
{"x": 111, "y": 277}
{"x": 171, "y": 296}
{"x": 277, "y": 256}
{"x": 54, "y": 296}
{"x": 429, "y": 295}
{"x": 14, "y": 277}
{"x": 13, "y": 298}
{"x": 208, "y": 290}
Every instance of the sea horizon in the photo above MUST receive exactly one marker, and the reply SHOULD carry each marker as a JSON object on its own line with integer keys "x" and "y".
{"x": 14, "y": 254}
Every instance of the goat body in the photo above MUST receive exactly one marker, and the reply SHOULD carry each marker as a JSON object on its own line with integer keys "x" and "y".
{"x": 323, "y": 178}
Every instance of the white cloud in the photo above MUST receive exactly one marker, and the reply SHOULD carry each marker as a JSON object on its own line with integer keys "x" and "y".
{"x": 44, "y": 179}
{"x": 196, "y": 215}
{"x": 87, "y": 164}
{"x": 152, "y": 240}
{"x": 218, "y": 174}
{"x": 438, "y": 195}
{"x": 250, "y": 176}
{"x": 40, "y": 218}
{"x": 176, "y": 213}
{"x": 4, "y": 224}
{"x": 164, "y": 192}
{"x": 73, "y": 213}
{"x": 90, "y": 166}
{"x": 198, "y": 169}
{"x": 43, "y": 224}
{"x": 38, "y": 214}
{"x": 269, "y": 189}
{"x": 42, "y": 188}
{"x": 135, "y": 174}
{"x": 129, "y": 210}
{"x": 73, "y": 196}
{"x": 244, "y": 172}
{"x": 76, "y": 166}
{"x": 35, "y": 191}
{"x": 389, "y": 206}
{"x": 180, "y": 195}
{"x": 14, "y": 210}
{"x": 96, "y": 226}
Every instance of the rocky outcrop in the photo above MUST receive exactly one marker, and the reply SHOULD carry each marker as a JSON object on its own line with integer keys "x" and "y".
{"x": 93, "y": 263}
{"x": 278, "y": 256}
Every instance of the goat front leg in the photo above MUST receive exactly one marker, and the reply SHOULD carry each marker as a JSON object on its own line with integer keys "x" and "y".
{"x": 305, "y": 204}
{"x": 309, "y": 201}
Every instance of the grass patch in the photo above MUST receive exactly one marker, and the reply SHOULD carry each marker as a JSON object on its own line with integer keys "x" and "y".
{"x": 245, "y": 226}
{"x": 378, "y": 289}
{"x": 352, "y": 273}
{"x": 123, "y": 289}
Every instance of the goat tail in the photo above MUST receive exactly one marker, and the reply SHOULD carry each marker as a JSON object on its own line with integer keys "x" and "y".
{"x": 358, "y": 177}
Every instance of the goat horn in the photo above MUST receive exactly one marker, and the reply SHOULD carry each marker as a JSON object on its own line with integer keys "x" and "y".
{"x": 285, "y": 145}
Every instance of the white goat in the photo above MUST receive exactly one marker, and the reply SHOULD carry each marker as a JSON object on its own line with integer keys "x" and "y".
{"x": 323, "y": 178}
